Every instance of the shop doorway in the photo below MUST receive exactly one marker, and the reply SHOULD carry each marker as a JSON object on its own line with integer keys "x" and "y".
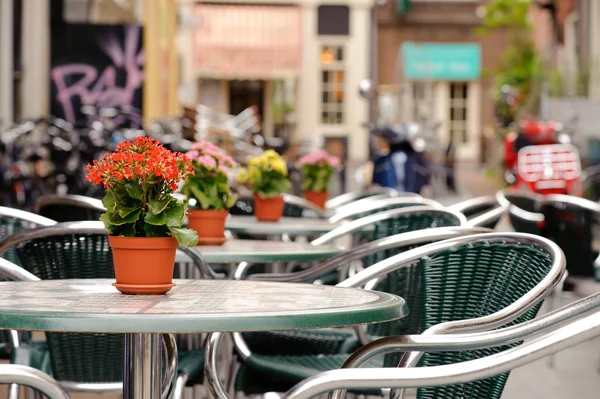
{"x": 247, "y": 93}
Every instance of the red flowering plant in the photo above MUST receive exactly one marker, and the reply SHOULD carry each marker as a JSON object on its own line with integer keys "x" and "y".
{"x": 139, "y": 178}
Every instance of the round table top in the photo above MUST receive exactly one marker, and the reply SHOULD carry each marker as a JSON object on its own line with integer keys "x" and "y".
{"x": 285, "y": 225}
{"x": 192, "y": 306}
{"x": 259, "y": 251}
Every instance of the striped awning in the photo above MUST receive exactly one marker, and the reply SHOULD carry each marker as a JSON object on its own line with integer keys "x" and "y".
{"x": 247, "y": 41}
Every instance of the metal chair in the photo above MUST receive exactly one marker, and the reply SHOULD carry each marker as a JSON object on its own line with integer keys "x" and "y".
{"x": 522, "y": 211}
{"x": 361, "y": 209}
{"x": 69, "y": 208}
{"x": 469, "y": 372}
{"x": 353, "y": 196}
{"x": 32, "y": 378}
{"x": 481, "y": 211}
{"x": 293, "y": 206}
{"x": 474, "y": 283}
{"x": 80, "y": 250}
{"x": 11, "y": 221}
{"x": 569, "y": 222}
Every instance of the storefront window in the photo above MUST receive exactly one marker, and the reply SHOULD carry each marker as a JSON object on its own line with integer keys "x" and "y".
{"x": 332, "y": 83}
{"x": 458, "y": 112}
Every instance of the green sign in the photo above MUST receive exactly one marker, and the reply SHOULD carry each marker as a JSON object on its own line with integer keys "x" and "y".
{"x": 440, "y": 61}
{"x": 402, "y": 6}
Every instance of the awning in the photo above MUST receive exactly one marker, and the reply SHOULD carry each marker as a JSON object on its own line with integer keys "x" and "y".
{"x": 247, "y": 41}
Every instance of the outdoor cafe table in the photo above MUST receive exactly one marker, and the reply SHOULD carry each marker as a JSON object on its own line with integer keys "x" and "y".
{"x": 261, "y": 251}
{"x": 192, "y": 306}
{"x": 285, "y": 225}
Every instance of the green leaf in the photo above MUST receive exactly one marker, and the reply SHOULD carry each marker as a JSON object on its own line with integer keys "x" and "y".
{"x": 157, "y": 220}
{"x": 155, "y": 231}
{"x": 175, "y": 215}
{"x": 157, "y": 207}
{"x": 186, "y": 237}
{"x": 126, "y": 210}
{"x": 105, "y": 218}
{"x": 117, "y": 220}
{"x": 201, "y": 197}
{"x": 230, "y": 200}
{"x": 133, "y": 189}
{"x": 126, "y": 230}
{"x": 109, "y": 201}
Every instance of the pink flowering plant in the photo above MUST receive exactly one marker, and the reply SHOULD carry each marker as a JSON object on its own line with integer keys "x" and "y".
{"x": 209, "y": 184}
{"x": 317, "y": 168}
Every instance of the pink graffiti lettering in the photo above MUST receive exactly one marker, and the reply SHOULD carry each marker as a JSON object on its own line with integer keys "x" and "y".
{"x": 101, "y": 90}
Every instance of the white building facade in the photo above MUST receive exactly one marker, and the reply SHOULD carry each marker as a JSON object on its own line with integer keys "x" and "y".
{"x": 299, "y": 63}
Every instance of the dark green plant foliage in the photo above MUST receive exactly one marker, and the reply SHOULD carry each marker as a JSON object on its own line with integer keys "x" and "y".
{"x": 210, "y": 189}
{"x": 270, "y": 183}
{"x": 145, "y": 209}
{"x": 316, "y": 178}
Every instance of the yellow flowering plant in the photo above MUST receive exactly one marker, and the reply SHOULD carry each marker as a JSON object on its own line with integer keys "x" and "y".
{"x": 266, "y": 175}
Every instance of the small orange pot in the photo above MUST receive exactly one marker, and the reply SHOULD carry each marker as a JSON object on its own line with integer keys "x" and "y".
{"x": 268, "y": 209}
{"x": 210, "y": 226}
{"x": 317, "y": 197}
{"x": 143, "y": 266}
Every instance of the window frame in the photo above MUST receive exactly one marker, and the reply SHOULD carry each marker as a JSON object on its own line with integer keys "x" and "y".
{"x": 329, "y": 109}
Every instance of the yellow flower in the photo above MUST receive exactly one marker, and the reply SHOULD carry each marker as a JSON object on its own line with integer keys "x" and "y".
{"x": 254, "y": 174}
{"x": 255, "y": 161}
{"x": 278, "y": 165}
{"x": 243, "y": 176}
{"x": 271, "y": 154}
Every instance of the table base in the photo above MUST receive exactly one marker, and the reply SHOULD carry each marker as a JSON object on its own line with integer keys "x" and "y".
{"x": 142, "y": 377}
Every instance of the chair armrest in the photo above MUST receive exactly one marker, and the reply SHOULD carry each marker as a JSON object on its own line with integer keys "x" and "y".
{"x": 474, "y": 203}
{"x": 562, "y": 338}
{"x": 397, "y": 241}
{"x": 199, "y": 263}
{"x": 493, "y": 215}
{"x": 30, "y": 377}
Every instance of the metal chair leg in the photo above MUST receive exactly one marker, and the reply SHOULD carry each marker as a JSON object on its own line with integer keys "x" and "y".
{"x": 555, "y": 303}
{"x": 13, "y": 391}
{"x": 180, "y": 386}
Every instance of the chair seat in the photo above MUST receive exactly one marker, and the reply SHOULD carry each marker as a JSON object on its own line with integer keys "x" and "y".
{"x": 192, "y": 364}
{"x": 261, "y": 373}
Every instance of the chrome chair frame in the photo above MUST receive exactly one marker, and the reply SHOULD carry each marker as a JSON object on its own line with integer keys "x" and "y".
{"x": 352, "y": 210}
{"x": 25, "y": 216}
{"x": 90, "y": 227}
{"x": 560, "y": 338}
{"x": 490, "y": 216}
{"x": 80, "y": 201}
{"x": 369, "y": 277}
{"x": 365, "y": 222}
{"x": 520, "y": 213}
{"x": 303, "y": 203}
{"x": 353, "y": 196}
{"x": 28, "y": 376}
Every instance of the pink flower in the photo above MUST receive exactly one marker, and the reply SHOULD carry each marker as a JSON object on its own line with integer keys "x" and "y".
{"x": 334, "y": 161}
{"x": 228, "y": 161}
{"x": 192, "y": 154}
{"x": 224, "y": 169}
{"x": 319, "y": 158}
{"x": 207, "y": 161}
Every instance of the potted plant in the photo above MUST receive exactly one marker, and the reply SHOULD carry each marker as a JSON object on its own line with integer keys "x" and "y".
{"x": 267, "y": 178}
{"x": 142, "y": 217}
{"x": 317, "y": 169}
{"x": 209, "y": 189}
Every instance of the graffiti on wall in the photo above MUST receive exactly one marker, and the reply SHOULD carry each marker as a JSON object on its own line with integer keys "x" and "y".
{"x": 99, "y": 66}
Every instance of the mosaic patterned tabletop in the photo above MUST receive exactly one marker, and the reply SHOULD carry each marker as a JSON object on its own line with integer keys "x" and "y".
{"x": 258, "y": 251}
{"x": 191, "y": 306}
{"x": 285, "y": 225}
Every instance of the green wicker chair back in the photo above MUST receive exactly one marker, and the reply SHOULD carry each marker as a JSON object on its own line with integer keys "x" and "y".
{"x": 407, "y": 281}
{"x": 474, "y": 281}
{"x": 521, "y": 225}
{"x": 8, "y": 226}
{"x": 76, "y": 357}
{"x": 68, "y": 212}
{"x": 570, "y": 226}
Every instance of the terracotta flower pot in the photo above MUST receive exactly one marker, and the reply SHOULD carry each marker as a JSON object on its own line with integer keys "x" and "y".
{"x": 210, "y": 226}
{"x": 317, "y": 197}
{"x": 143, "y": 266}
{"x": 268, "y": 209}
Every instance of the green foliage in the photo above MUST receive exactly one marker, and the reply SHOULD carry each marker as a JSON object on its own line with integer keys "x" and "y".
{"x": 209, "y": 188}
{"x": 511, "y": 14}
{"x": 270, "y": 183}
{"x": 145, "y": 209}
{"x": 316, "y": 178}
